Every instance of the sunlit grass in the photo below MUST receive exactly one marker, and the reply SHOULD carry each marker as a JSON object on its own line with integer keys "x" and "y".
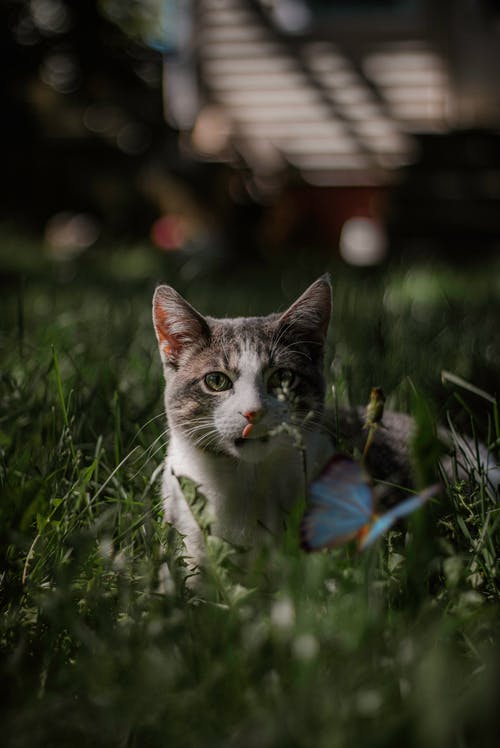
{"x": 103, "y": 643}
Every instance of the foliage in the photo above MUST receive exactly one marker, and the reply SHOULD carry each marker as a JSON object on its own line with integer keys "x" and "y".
{"x": 104, "y": 643}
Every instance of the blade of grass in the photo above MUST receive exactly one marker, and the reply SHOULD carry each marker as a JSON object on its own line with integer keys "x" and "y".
{"x": 20, "y": 316}
{"x": 117, "y": 419}
{"x": 496, "y": 418}
{"x": 448, "y": 376}
{"x": 63, "y": 404}
{"x": 113, "y": 473}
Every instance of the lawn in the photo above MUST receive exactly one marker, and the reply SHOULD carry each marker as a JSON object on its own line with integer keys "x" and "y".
{"x": 102, "y": 644}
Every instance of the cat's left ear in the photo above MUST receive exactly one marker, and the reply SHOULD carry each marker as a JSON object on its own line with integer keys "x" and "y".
{"x": 177, "y": 324}
{"x": 309, "y": 316}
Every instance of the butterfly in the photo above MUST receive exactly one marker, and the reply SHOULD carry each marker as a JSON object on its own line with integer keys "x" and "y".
{"x": 342, "y": 507}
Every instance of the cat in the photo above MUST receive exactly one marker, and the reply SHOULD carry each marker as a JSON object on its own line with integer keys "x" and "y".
{"x": 244, "y": 400}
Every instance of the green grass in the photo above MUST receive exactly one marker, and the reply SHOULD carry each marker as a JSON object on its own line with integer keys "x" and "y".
{"x": 103, "y": 645}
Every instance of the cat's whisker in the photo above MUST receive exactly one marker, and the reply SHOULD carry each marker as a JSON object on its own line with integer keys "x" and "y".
{"x": 149, "y": 458}
{"x": 162, "y": 435}
{"x": 143, "y": 467}
{"x": 162, "y": 414}
{"x": 314, "y": 427}
{"x": 186, "y": 425}
{"x": 199, "y": 425}
{"x": 308, "y": 415}
{"x": 203, "y": 441}
{"x": 193, "y": 430}
{"x": 196, "y": 420}
{"x": 276, "y": 341}
{"x": 206, "y": 440}
{"x": 150, "y": 454}
{"x": 294, "y": 347}
{"x": 196, "y": 426}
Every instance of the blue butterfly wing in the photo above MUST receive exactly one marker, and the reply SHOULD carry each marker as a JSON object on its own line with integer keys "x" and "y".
{"x": 345, "y": 483}
{"x": 340, "y": 504}
{"x": 383, "y": 523}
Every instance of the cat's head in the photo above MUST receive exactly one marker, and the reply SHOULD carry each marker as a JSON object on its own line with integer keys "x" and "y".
{"x": 239, "y": 387}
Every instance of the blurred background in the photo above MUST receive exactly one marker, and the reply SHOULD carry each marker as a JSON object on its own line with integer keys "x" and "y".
{"x": 237, "y": 149}
{"x": 246, "y": 131}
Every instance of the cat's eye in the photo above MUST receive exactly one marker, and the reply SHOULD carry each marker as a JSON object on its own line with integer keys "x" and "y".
{"x": 281, "y": 379}
{"x": 217, "y": 381}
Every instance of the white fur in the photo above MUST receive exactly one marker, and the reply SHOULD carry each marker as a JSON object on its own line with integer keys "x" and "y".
{"x": 244, "y": 499}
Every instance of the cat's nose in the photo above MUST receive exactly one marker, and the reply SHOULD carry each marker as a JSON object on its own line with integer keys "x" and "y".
{"x": 253, "y": 416}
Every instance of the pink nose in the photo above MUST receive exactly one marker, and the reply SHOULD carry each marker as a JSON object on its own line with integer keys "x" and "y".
{"x": 253, "y": 416}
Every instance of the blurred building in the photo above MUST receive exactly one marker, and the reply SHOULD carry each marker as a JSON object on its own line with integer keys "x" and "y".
{"x": 389, "y": 107}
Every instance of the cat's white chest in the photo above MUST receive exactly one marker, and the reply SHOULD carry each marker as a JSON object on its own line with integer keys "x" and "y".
{"x": 243, "y": 499}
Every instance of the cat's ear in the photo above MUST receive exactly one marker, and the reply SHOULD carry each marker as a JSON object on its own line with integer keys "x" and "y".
{"x": 177, "y": 323}
{"x": 309, "y": 316}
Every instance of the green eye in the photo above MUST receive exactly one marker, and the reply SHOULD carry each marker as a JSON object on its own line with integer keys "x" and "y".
{"x": 217, "y": 381}
{"x": 281, "y": 379}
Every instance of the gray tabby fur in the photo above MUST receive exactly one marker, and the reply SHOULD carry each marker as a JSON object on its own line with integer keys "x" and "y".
{"x": 252, "y": 483}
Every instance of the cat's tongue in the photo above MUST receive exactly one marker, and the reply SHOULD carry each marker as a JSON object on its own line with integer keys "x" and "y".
{"x": 246, "y": 431}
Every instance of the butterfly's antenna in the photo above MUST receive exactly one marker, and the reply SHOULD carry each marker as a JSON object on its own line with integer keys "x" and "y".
{"x": 373, "y": 416}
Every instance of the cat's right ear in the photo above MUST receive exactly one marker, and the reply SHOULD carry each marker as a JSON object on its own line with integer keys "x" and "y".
{"x": 177, "y": 324}
{"x": 309, "y": 316}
